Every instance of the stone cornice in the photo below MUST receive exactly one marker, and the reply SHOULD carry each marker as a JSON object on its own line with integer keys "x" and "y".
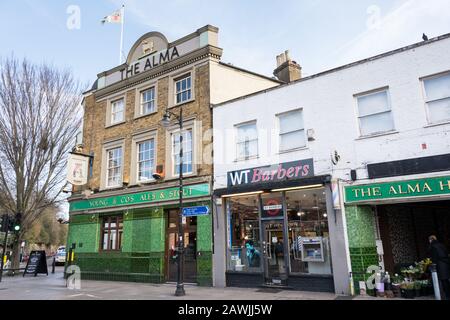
{"x": 190, "y": 58}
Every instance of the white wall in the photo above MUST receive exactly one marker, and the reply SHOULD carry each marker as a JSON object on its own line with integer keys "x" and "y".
{"x": 227, "y": 83}
{"x": 330, "y": 109}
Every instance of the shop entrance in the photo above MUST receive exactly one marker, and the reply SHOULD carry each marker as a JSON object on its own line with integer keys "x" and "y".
{"x": 190, "y": 247}
{"x": 405, "y": 228}
{"x": 274, "y": 253}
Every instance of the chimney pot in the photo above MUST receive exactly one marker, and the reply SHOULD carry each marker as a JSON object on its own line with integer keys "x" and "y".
{"x": 287, "y": 70}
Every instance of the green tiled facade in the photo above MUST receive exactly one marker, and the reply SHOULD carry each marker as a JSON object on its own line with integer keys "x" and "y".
{"x": 361, "y": 237}
{"x": 142, "y": 258}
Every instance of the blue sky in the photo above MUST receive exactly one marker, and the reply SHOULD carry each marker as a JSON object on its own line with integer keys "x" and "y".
{"x": 320, "y": 34}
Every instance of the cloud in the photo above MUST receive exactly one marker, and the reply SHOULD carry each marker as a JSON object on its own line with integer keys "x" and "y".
{"x": 401, "y": 26}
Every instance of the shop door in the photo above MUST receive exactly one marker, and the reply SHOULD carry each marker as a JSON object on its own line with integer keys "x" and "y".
{"x": 274, "y": 252}
{"x": 190, "y": 248}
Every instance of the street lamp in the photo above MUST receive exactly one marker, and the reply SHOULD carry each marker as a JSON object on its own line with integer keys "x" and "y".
{"x": 165, "y": 122}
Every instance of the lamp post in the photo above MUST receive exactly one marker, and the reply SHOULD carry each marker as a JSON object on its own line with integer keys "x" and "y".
{"x": 180, "y": 267}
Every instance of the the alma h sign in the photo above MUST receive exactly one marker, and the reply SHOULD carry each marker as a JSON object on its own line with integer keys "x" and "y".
{"x": 274, "y": 173}
{"x": 398, "y": 189}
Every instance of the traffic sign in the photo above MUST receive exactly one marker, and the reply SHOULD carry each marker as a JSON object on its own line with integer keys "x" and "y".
{"x": 196, "y": 211}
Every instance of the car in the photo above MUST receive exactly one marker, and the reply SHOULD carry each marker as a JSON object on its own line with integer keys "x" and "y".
{"x": 60, "y": 257}
{"x": 61, "y": 248}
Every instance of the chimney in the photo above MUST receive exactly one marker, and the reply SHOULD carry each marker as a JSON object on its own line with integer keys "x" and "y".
{"x": 287, "y": 70}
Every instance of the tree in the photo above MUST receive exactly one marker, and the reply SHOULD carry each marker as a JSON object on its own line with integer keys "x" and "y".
{"x": 40, "y": 114}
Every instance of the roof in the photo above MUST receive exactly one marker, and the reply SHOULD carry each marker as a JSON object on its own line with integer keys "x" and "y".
{"x": 347, "y": 66}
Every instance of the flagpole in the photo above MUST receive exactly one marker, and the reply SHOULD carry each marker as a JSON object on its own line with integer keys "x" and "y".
{"x": 121, "y": 34}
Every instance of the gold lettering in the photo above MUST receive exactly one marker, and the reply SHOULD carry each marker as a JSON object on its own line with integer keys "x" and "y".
{"x": 427, "y": 187}
{"x": 377, "y": 191}
{"x": 356, "y": 191}
{"x": 415, "y": 189}
{"x": 444, "y": 186}
{"x": 392, "y": 190}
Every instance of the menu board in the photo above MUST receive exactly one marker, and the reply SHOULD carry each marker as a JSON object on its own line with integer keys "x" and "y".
{"x": 37, "y": 263}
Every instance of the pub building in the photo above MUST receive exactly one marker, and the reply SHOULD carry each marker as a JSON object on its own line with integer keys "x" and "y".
{"x": 277, "y": 230}
{"x": 123, "y": 222}
{"x": 392, "y": 213}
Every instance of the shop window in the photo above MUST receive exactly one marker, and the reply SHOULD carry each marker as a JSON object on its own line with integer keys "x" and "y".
{"x": 247, "y": 141}
{"x": 146, "y": 160}
{"x": 292, "y": 130}
{"x": 374, "y": 113}
{"x": 112, "y": 233}
{"x": 309, "y": 241}
{"x": 114, "y": 167}
{"x": 183, "y": 89}
{"x": 244, "y": 252}
{"x": 437, "y": 92}
{"x": 187, "y": 152}
{"x": 148, "y": 101}
{"x": 117, "y": 111}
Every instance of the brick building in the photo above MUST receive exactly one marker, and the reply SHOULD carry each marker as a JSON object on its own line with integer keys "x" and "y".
{"x": 123, "y": 223}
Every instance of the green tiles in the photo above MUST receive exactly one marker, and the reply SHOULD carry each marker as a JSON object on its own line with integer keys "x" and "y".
{"x": 84, "y": 232}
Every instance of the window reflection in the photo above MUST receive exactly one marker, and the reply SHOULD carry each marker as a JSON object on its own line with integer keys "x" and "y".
{"x": 308, "y": 232}
{"x": 244, "y": 249}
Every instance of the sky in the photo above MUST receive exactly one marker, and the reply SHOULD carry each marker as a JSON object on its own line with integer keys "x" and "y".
{"x": 320, "y": 34}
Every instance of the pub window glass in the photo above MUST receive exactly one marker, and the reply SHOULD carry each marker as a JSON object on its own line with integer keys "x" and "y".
{"x": 244, "y": 252}
{"x": 309, "y": 240}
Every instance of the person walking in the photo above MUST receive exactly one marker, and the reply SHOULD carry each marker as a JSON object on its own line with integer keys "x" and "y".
{"x": 439, "y": 256}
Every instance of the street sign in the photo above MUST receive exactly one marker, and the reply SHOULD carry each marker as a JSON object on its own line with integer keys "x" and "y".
{"x": 196, "y": 211}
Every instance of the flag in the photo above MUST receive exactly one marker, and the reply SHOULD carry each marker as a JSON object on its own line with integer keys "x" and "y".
{"x": 115, "y": 17}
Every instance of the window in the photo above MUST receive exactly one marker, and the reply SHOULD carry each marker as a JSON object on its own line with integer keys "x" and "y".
{"x": 148, "y": 101}
{"x": 117, "y": 111}
{"x": 374, "y": 113}
{"x": 437, "y": 92}
{"x": 247, "y": 141}
{"x": 114, "y": 167}
{"x": 112, "y": 233}
{"x": 146, "y": 160}
{"x": 292, "y": 130}
{"x": 187, "y": 152}
{"x": 183, "y": 87}
{"x": 244, "y": 248}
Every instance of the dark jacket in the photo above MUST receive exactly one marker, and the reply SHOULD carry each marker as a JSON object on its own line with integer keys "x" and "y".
{"x": 439, "y": 256}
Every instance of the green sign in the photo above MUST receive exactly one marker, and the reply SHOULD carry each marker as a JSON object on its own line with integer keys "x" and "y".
{"x": 170, "y": 194}
{"x": 398, "y": 189}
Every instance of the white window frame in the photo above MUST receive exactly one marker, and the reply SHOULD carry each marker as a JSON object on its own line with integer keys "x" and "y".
{"x": 428, "y": 101}
{"x": 174, "y": 141}
{"x": 139, "y": 103}
{"x": 144, "y": 103}
{"x": 390, "y": 111}
{"x": 113, "y": 104}
{"x": 136, "y": 140}
{"x": 238, "y": 142}
{"x": 189, "y": 124}
{"x": 120, "y": 167}
{"x": 105, "y": 163}
{"x": 109, "y": 109}
{"x": 291, "y": 132}
{"x": 180, "y": 79}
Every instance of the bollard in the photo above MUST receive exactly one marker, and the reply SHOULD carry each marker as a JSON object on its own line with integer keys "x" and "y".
{"x": 437, "y": 290}
{"x": 53, "y": 264}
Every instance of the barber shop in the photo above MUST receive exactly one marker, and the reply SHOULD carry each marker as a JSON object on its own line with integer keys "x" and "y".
{"x": 277, "y": 227}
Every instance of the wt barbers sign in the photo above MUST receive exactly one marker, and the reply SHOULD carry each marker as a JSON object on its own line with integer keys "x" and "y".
{"x": 274, "y": 173}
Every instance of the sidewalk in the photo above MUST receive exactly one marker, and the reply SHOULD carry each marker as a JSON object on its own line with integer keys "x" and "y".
{"x": 53, "y": 288}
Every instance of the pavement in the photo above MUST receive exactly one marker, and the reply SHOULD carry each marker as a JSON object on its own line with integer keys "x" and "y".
{"x": 53, "y": 287}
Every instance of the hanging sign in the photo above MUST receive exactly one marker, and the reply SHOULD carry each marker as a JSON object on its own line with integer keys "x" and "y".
{"x": 77, "y": 169}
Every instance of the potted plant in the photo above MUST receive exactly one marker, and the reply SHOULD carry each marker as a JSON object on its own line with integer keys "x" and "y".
{"x": 418, "y": 288}
{"x": 396, "y": 283}
{"x": 408, "y": 290}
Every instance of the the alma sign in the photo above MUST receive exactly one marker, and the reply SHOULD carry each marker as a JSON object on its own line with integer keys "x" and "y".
{"x": 274, "y": 173}
{"x": 398, "y": 189}
{"x": 149, "y": 62}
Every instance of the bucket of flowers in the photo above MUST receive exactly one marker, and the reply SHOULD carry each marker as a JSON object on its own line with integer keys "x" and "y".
{"x": 397, "y": 281}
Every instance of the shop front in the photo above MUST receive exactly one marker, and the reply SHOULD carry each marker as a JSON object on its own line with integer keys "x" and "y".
{"x": 132, "y": 237}
{"x": 389, "y": 221}
{"x": 277, "y": 230}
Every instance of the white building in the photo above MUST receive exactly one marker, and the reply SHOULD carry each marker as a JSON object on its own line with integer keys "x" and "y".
{"x": 378, "y": 131}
